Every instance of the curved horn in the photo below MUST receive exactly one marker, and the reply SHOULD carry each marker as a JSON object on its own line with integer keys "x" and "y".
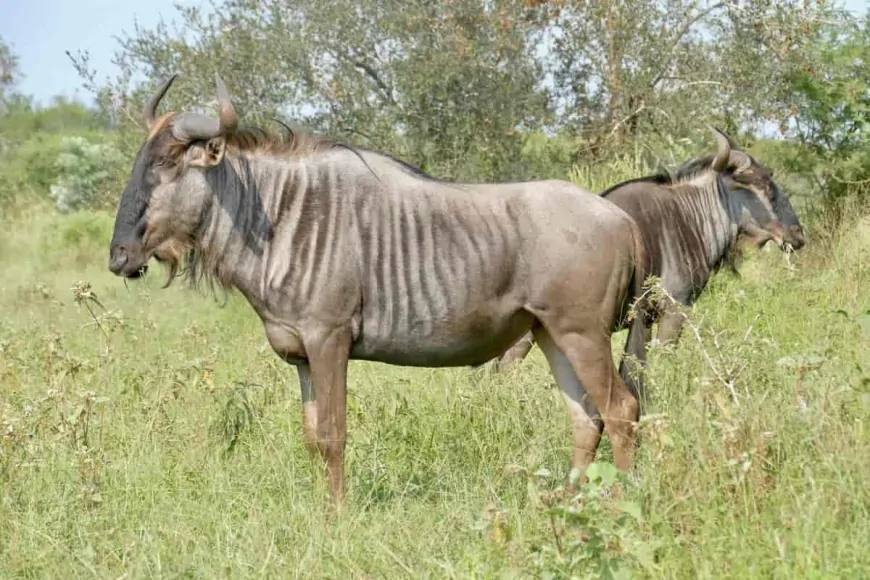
{"x": 731, "y": 141}
{"x": 720, "y": 162}
{"x": 151, "y": 106}
{"x": 226, "y": 111}
{"x": 190, "y": 126}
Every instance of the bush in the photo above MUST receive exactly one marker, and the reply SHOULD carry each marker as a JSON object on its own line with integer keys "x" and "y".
{"x": 85, "y": 170}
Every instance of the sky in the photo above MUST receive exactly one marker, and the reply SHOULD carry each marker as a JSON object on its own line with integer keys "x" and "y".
{"x": 40, "y": 31}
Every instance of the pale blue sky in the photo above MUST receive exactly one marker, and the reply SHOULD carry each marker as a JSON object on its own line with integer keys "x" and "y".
{"x": 41, "y": 30}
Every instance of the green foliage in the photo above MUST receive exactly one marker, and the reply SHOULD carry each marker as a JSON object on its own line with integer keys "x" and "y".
{"x": 62, "y": 146}
{"x": 84, "y": 169}
{"x": 459, "y": 88}
{"x": 9, "y": 73}
{"x": 832, "y": 107}
{"x": 86, "y": 228}
{"x": 594, "y": 535}
{"x": 447, "y": 86}
{"x": 545, "y": 157}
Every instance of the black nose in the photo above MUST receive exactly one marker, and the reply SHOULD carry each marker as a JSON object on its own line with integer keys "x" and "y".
{"x": 797, "y": 237}
{"x": 117, "y": 258}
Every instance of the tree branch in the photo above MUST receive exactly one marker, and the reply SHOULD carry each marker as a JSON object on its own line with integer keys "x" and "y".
{"x": 368, "y": 70}
{"x": 672, "y": 50}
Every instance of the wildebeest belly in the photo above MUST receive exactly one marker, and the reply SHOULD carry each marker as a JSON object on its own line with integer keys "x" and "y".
{"x": 444, "y": 339}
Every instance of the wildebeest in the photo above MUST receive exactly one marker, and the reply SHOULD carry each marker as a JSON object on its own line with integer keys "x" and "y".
{"x": 346, "y": 253}
{"x": 691, "y": 223}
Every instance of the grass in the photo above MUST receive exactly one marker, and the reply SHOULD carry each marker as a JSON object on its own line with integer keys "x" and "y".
{"x": 157, "y": 436}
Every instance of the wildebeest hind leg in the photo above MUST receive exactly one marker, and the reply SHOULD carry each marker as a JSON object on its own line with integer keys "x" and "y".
{"x": 309, "y": 408}
{"x": 592, "y": 361}
{"x": 586, "y": 424}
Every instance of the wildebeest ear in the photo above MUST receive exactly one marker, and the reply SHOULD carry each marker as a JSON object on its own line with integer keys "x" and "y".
{"x": 740, "y": 161}
{"x": 209, "y": 154}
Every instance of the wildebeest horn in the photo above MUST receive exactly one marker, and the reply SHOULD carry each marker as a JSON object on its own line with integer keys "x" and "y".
{"x": 149, "y": 113}
{"x": 226, "y": 111}
{"x": 723, "y": 154}
{"x": 191, "y": 126}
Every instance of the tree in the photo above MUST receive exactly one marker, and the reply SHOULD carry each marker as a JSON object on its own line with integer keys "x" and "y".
{"x": 449, "y": 86}
{"x": 10, "y": 73}
{"x": 830, "y": 109}
{"x": 475, "y": 89}
{"x": 630, "y": 68}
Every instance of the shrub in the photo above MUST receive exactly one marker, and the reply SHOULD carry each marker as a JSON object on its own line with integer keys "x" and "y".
{"x": 85, "y": 169}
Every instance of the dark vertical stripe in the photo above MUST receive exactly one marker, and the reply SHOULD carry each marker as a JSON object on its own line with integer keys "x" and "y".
{"x": 326, "y": 259}
{"x": 396, "y": 267}
{"x": 374, "y": 266}
{"x": 419, "y": 268}
{"x": 441, "y": 241}
{"x": 386, "y": 280}
{"x": 417, "y": 304}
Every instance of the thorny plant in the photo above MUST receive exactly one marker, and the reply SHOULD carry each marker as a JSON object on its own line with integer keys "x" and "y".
{"x": 65, "y": 415}
{"x": 85, "y": 296}
{"x": 747, "y": 444}
{"x": 725, "y": 365}
{"x": 595, "y": 533}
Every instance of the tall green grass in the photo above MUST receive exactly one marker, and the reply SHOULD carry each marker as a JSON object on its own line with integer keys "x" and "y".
{"x": 149, "y": 433}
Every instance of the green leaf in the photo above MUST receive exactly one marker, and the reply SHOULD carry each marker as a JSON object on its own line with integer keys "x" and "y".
{"x": 603, "y": 472}
{"x": 863, "y": 321}
{"x": 631, "y": 508}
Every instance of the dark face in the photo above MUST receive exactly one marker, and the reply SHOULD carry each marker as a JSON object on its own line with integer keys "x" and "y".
{"x": 155, "y": 165}
{"x": 765, "y": 212}
{"x": 168, "y": 187}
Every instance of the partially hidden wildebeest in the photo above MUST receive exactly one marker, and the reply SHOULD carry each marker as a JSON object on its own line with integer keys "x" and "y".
{"x": 692, "y": 223}
{"x": 346, "y": 253}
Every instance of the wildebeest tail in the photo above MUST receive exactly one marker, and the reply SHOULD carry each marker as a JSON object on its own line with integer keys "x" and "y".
{"x": 634, "y": 358}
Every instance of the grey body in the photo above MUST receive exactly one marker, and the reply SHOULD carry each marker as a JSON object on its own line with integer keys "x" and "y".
{"x": 691, "y": 224}
{"x": 425, "y": 273}
{"x": 348, "y": 254}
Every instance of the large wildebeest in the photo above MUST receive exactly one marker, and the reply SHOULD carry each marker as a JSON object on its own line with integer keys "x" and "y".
{"x": 692, "y": 223}
{"x": 350, "y": 254}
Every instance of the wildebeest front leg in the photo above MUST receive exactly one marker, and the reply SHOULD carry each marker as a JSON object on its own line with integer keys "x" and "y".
{"x": 515, "y": 353}
{"x": 328, "y": 360}
{"x": 309, "y": 407}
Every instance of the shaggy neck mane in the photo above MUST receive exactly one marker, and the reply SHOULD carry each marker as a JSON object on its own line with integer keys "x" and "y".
{"x": 259, "y": 141}
{"x": 237, "y": 225}
{"x": 692, "y": 184}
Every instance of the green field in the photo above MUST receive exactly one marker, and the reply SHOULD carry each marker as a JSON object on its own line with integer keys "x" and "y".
{"x": 158, "y": 436}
